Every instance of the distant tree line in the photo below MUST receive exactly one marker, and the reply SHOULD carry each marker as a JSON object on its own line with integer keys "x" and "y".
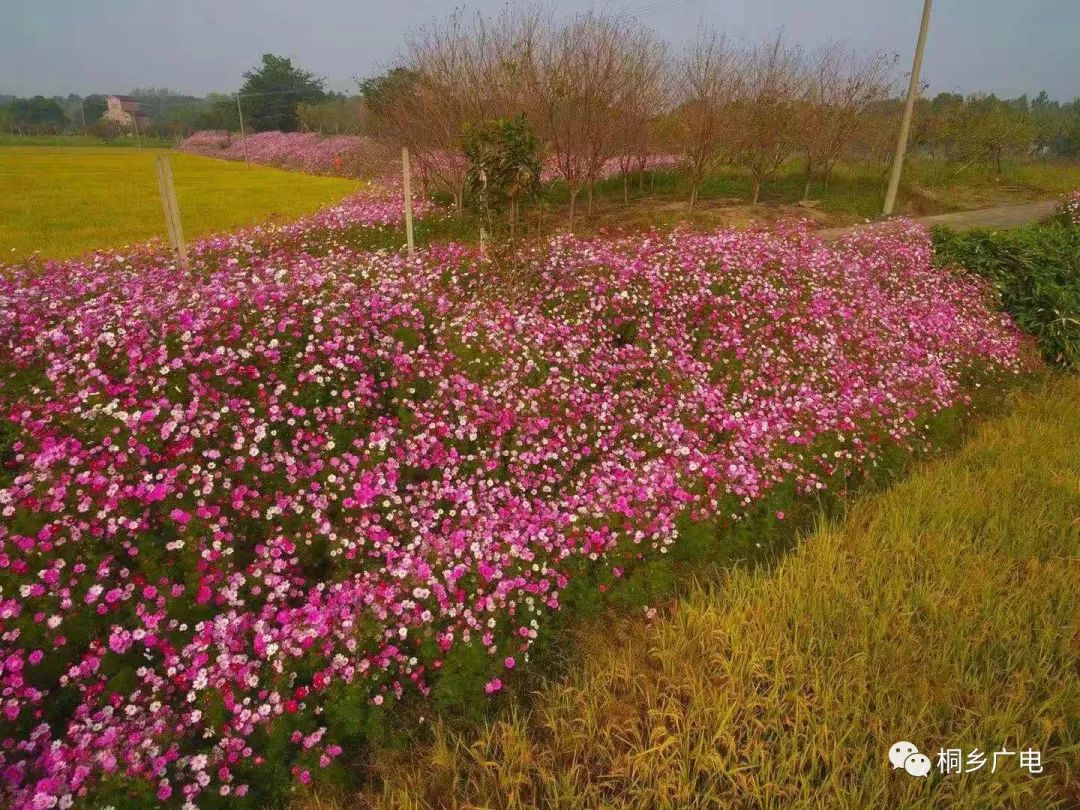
{"x": 985, "y": 128}
{"x": 275, "y": 95}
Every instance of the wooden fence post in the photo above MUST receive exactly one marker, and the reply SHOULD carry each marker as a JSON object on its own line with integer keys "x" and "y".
{"x": 243, "y": 137}
{"x": 172, "y": 210}
{"x": 407, "y": 177}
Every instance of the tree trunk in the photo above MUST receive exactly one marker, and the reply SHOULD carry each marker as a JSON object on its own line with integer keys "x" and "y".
{"x": 573, "y": 201}
{"x": 757, "y": 192}
{"x": 588, "y": 209}
{"x": 693, "y": 196}
{"x": 806, "y": 188}
{"x": 626, "y": 188}
{"x": 641, "y": 180}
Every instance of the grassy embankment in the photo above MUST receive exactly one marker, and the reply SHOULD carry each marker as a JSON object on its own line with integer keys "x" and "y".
{"x": 65, "y": 201}
{"x": 943, "y": 611}
{"x": 853, "y": 194}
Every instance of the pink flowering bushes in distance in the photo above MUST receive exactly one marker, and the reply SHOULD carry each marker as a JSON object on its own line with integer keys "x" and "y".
{"x": 343, "y": 154}
{"x": 613, "y": 167}
{"x": 249, "y": 507}
{"x": 302, "y": 151}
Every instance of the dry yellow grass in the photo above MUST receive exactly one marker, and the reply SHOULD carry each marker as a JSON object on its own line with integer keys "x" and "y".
{"x": 944, "y": 611}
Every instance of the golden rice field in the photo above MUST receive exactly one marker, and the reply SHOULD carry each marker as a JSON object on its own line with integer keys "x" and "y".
{"x": 64, "y": 201}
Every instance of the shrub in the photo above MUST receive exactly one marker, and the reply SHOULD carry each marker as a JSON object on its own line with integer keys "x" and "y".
{"x": 1036, "y": 270}
{"x": 504, "y": 165}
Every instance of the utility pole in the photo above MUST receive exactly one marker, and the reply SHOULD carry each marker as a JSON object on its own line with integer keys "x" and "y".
{"x": 135, "y": 121}
{"x": 909, "y": 107}
{"x": 243, "y": 139}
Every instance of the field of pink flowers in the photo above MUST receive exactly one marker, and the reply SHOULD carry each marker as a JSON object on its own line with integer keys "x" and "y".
{"x": 301, "y": 151}
{"x": 341, "y": 154}
{"x": 247, "y": 506}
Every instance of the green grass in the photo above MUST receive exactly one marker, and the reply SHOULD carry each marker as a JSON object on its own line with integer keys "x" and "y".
{"x": 854, "y": 192}
{"x": 943, "y": 611}
{"x": 64, "y": 201}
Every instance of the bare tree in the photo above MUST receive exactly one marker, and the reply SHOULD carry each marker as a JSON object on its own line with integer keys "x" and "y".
{"x": 644, "y": 147}
{"x": 707, "y": 81}
{"x": 590, "y": 73}
{"x": 446, "y": 96}
{"x": 765, "y": 112}
{"x": 874, "y": 140}
{"x": 455, "y": 71}
{"x": 648, "y": 74}
{"x": 840, "y": 87}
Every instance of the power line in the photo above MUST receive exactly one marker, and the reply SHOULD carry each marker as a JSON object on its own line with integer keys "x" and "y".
{"x": 655, "y": 8}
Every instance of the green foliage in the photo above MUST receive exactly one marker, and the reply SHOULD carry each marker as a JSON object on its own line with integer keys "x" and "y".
{"x": 272, "y": 91}
{"x": 220, "y": 113}
{"x": 37, "y": 114}
{"x": 1057, "y": 125}
{"x": 504, "y": 165}
{"x": 1037, "y": 272}
{"x": 335, "y": 116}
{"x": 981, "y": 128}
{"x": 93, "y": 107}
{"x": 171, "y": 113}
{"x": 380, "y": 91}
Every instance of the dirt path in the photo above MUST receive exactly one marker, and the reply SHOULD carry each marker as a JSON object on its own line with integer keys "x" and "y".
{"x": 1007, "y": 216}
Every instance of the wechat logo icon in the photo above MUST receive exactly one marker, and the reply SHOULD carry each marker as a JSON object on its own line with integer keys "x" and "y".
{"x": 905, "y": 755}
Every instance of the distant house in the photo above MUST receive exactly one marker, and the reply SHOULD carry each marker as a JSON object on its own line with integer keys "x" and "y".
{"x": 124, "y": 110}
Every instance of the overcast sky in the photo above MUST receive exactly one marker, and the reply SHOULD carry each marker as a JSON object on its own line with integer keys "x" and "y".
{"x": 196, "y": 46}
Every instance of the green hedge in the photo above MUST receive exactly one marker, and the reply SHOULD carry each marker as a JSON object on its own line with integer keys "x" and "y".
{"x": 1037, "y": 271}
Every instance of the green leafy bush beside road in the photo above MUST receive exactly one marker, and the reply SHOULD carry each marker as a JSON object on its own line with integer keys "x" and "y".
{"x": 1037, "y": 271}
